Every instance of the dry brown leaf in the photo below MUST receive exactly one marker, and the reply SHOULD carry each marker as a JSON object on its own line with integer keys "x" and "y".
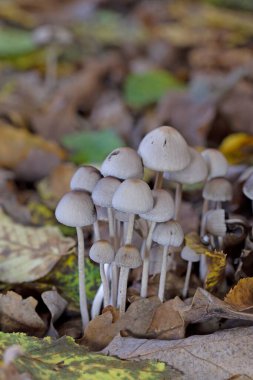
{"x": 241, "y": 295}
{"x": 29, "y": 253}
{"x": 17, "y": 144}
{"x": 217, "y": 356}
{"x": 216, "y": 269}
{"x": 19, "y": 315}
{"x": 56, "y": 305}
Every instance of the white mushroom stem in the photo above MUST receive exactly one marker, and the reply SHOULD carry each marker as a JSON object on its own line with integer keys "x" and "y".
{"x": 114, "y": 283}
{"x": 187, "y": 279}
{"x": 81, "y": 278}
{"x": 163, "y": 273}
{"x": 145, "y": 268}
{"x": 105, "y": 285}
{"x": 123, "y": 277}
{"x": 98, "y": 299}
{"x": 203, "y": 267}
{"x": 178, "y": 199}
{"x": 130, "y": 229}
{"x": 111, "y": 226}
{"x": 158, "y": 180}
{"x": 96, "y": 231}
{"x": 203, "y": 218}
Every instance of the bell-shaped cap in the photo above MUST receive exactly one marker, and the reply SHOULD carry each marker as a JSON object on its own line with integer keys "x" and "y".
{"x": 195, "y": 172}
{"x": 164, "y": 149}
{"x": 133, "y": 196}
{"x": 168, "y": 234}
{"x": 123, "y": 163}
{"x": 216, "y": 162}
{"x": 102, "y": 252}
{"x": 85, "y": 178}
{"x": 163, "y": 208}
{"x": 104, "y": 190}
{"x": 189, "y": 254}
{"x": 248, "y": 188}
{"x": 215, "y": 222}
{"x": 218, "y": 190}
{"x": 128, "y": 256}
{"x": 76, "y": 209}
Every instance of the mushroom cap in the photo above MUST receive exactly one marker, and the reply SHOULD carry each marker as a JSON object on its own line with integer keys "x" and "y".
{"x": 102, "y": 252}
{"x": 102, "y": 214}
{"x": 85, "y": 178}
{"x": 195, "y": 172}
{"x": 128, "y": 256}
{"x": 189, "y": 254}
{"x": 123, "y": 163}
{"x": 133, "y": 196}
{"x": 121, "y": 216}
{"x": 103, "y": 191}
{"x": 245, "y": 174}
{"x": 248, "y": 187}
{"x": 76, "y": 209}
{"x": 163, "y": 208}
{"x": 215, "y": 222}
{"x": 216, "y": 162}
{"x": 164, "y": 149}
{"x": 218, "y": 190}
{"x": 169, "y": 233}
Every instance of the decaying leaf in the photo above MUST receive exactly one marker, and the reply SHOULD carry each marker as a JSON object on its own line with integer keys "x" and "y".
{"x": 64, "y": 359}
{"x": 192, "y": 240}
{"x": 217, "y": 356}
{"x": 216, "y": 269}
{"x": 238, "y": 148}
{"x": 29, "y": 253}
{"x": 241, "y": 295}
{"x": 17, "y": 314}
{"x": 56, "y": 305}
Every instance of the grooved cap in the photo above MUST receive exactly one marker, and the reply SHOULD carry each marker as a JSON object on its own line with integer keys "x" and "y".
{"x": 102, "y": 252}
{"x": 189, "y": 254}
{"x": 163, "y": 208}
{"x": 169, "y": 233}
{"x": 85, "y": 178}
{"x": 103, "y": 191}
{"x": 218, "y": 190}
{"x": 215, "y": 222}
{"x": 216, "y": 162}
{"x": 128, "y": 256}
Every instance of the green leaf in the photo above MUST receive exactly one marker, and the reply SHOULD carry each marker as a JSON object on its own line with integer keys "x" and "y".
{"x": 63, "y": 359}
{"x": 15, "y": 42}
{"x": 143, "y": 89}
{"x": 91, "y": 147}
{"x": 245, "y": 5}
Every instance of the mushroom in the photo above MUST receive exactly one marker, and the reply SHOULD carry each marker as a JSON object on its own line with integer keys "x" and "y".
{"x": 123, "y": 163}
{"x": 191, "y": 256}
{"x": 161, "y": 212}
{"x": 168, "y": 234}
{"x": 103, "y": 253}
{"x": 195, "y": 172}
{"x": 76, "y": 209}
{"x": 127, "y": 257}
{"x": 216, "y": 226}
{"x": 248, "y": 189}
{"x": 164, "y": 149}
{"x": 216, "y": 162}
{"x": 85, "y": 178}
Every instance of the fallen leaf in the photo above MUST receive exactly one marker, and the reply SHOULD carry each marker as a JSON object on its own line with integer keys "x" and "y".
{"x": 216, "y": 263}
{"x": 217, "y": 356}
{"x": 192, "y": 240}
{"x": 238, "y": 148}
{"x": 64, "y": 359}
{"x": 14, "y": 42}
{"x": 8, "y": 369}
{"x": 29, "y": 253}
{"x": 56, "y": 305}
{"x": 17, "y": 314}
{"x": 241, "y": 295}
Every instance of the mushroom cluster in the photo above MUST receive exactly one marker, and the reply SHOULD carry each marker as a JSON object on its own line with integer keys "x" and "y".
{"x": 118, "y": 197}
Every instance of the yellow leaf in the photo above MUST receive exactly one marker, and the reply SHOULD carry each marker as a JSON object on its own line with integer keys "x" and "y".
{"x": 192, "y": 240}
{"x": 241, "y": 295}
{"x": 216, "y": 268}
{"x": 238, "y": 148}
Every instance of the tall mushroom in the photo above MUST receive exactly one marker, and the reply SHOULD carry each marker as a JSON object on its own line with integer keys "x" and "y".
{"x": 162, "y": 211}
{"x": 216, "y": 226}
{"x": 76, "y": 209}
{"x": 191, "y": 256}
{"x": 164, "y": 149}
{"x": 168, "y": 234}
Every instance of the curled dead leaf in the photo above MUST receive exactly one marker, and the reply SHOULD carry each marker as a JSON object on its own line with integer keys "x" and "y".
{"x": 216, "y": 269}
{"x": 241, "y": 295}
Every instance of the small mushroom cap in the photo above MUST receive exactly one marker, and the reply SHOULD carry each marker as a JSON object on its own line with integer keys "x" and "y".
{"x": 102, "y": 252}
{"x": 216, "y": 162}
{"x": 218, "y": 190}
{"x": 123, "y": 163}
{"x": 189, "y": 254}
{"x": 103, "y": 191}
{"x": 128, "y": 256}
{"x": 76, "y": 209}
{"x": 133, "y": 196}
{"x": 169, "y": 233}
{"x": 215, "y": 222}
{"x": 85, "y": 178}
{"x": 164, "y": 149}
{"x": 163, "y": 208}
{"x": 195, "y": 172}
{"x": 248, "y": 188}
